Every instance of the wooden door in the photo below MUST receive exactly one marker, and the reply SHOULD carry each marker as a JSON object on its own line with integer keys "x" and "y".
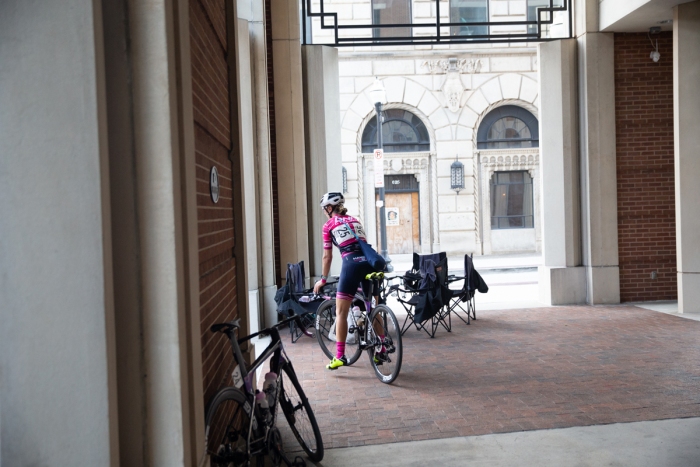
{"x": 402, "y": 229}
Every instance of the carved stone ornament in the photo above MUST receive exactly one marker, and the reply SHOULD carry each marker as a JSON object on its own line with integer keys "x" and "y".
{"x": 463, "y": 65}
{"x": 452, "y": 88}
{"x": 494, "y": 161}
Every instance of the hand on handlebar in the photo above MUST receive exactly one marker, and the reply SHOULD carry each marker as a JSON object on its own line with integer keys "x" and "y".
{"x": 318, "y": 287}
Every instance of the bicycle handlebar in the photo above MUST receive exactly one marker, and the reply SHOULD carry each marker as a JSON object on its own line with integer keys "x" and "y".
{"x": 229, "y": 326}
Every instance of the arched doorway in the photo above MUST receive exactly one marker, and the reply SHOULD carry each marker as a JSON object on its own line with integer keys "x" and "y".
{"x": 406, "y": 144}
{"x": 508, "y": 148}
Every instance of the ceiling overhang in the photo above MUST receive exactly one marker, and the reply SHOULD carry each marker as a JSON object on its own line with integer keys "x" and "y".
{"x": 637, "y": 15}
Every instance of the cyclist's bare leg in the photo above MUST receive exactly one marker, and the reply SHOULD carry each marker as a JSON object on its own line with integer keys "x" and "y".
{"x": 377, "y": 325}
{"x": 342, "y": 307}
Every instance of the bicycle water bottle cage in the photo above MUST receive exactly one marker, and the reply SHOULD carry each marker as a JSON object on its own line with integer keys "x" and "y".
{"x": 226, "y": 327}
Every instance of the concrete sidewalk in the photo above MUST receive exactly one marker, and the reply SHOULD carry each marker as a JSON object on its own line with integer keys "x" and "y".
{"x": 665, "y": 443}
{"x": 492, "y": 263}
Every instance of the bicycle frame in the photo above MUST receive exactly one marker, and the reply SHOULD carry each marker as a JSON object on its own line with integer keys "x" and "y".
{"x": 368, "y": 288}
{"x": 243, "y": 375}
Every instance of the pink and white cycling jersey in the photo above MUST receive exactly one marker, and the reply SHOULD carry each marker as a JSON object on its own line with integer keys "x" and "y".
{"x": 337, "y": 232}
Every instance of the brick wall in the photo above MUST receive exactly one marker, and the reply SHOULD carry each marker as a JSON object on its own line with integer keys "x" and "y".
{"x": 645, "y": 173}
{"x": 210, "y": 95}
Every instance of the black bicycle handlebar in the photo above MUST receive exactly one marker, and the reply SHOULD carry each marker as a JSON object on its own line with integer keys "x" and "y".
{"x": 229, "y": 326}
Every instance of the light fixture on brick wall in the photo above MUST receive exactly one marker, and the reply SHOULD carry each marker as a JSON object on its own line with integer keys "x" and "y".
{"x": 654, "y": 55}
{"x": 457, "y": 175}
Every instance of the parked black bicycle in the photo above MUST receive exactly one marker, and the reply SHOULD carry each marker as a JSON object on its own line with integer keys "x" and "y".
{"x": 241, "y": 432}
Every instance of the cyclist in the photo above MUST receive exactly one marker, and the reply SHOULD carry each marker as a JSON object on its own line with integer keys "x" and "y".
{"x": 355, "y": 266}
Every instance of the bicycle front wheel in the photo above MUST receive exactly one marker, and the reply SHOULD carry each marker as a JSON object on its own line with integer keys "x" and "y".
{"x": 386, "y": 364}
{"x": 226, "y": 430}
{"x": 325, "y": 333}
{"x": 297, "y": 411}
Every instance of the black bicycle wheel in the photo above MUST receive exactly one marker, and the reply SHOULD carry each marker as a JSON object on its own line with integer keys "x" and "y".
{"x": 325, "y": 333}
{"x": 297, "y": 411}
{"x": 226, "y": 430}
{"x": 388, "y": 364}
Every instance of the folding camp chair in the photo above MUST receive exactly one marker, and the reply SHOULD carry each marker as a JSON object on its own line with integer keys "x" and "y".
{"x": 293, "y": 299}
{"x": 463, "y": 300}
{"x": 423, "y": 293}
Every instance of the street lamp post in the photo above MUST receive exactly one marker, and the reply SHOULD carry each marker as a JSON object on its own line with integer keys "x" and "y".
{"x": 378, "y": 95}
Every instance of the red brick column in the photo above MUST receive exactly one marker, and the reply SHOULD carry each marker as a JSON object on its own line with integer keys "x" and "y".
{"x": 645, "y": 171}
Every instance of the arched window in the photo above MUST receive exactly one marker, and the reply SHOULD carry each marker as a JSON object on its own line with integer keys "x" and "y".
{"x": 508, "y": 126}
{"x": 401, "y": 132}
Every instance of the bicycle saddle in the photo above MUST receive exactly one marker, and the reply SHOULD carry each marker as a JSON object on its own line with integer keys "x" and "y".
{"x": 225, "y": 327}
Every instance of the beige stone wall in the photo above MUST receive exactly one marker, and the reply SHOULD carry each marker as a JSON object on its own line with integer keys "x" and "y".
{"x": 419, "y": 82}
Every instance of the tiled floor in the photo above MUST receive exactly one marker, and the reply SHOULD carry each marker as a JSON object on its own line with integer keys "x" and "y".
{"x": 510, "y": 371}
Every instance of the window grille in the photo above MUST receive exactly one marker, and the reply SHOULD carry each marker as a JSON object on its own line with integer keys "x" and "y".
{"x": 508, "y": 126}
{"x": 511, "y": 201}
{"x": 402, "y": 131}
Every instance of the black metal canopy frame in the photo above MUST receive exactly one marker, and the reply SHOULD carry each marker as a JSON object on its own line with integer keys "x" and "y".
{"x": 545, "y": 16}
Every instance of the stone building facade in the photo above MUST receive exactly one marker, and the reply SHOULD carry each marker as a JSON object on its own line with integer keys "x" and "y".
{"x": 452, "y": 221}
{"x": 452, "y": 90}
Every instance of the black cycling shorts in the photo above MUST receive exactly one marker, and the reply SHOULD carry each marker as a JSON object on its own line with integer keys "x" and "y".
{"x": 355, "y": 268}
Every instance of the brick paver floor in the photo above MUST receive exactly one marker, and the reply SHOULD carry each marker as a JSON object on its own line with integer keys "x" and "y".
{"x": 509, "y": 371}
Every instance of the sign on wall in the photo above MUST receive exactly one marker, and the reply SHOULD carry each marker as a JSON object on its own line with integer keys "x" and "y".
{"x": 392, "y": 216}
{"x": 214, "y": 184}
{"x": 378, "y": 168}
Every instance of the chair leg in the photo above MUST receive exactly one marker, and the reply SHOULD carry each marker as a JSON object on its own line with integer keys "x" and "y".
{"x": 454, "y": 307}
{"x": 409, "y": 319}
{"x": 293, "y": 332}
{"x": 443, "y": 318}
{"x": 468, "y": 320}
{"x": 406, "y": 323}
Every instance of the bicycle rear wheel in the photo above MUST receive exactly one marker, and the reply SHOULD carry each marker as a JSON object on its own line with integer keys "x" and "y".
{"x": 388, "y": 366}
{"x": 298, "y": 412}
{"x": 226, "y": 430}
{"x": 325, "y": 333}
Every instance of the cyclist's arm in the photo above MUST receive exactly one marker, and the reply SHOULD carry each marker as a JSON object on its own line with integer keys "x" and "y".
{"x": 326, "y": 262}
{"x": 325, "y": 268}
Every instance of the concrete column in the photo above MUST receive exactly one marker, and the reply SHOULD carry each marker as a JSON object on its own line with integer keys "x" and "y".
{"x": 160, "y": 228}
{"x": 562, "y": 279}
{"x": 247, "y": 144}
{"x": 686, "y": 114}
{"x": 266, "y": 251}
{"x": 324, "y": 165}
{"x": 587, "y": 16}
{"x": 598, "y": 167}
{"x": 57, "y": 354}
{"x": 127, "y": 279}
{"x": 289, "y": 118}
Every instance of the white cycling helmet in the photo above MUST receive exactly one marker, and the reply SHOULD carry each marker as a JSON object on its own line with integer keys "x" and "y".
{"x": 332, "y": 199}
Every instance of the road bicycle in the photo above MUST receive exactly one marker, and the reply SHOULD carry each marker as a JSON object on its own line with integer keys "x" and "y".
{"x": 362, "y": 335}
{"x": 241, "y": 432}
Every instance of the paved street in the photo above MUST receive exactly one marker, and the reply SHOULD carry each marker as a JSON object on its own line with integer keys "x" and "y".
{"x": 513, "y": 370}
{"x": 521, "y": 380}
